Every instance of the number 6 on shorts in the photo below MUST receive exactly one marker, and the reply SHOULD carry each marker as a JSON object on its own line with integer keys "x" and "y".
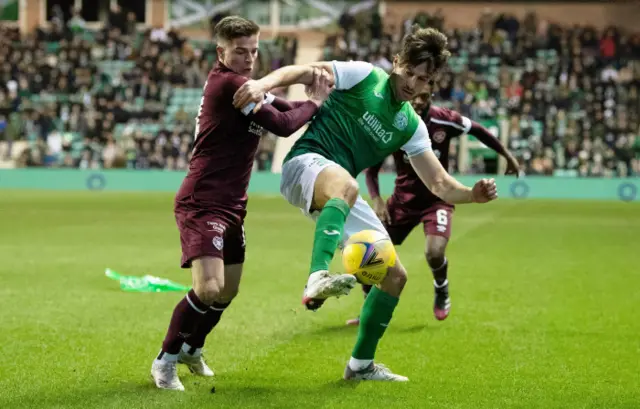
{"x": 442, "y": 218}
{"x": 437, "y": 220}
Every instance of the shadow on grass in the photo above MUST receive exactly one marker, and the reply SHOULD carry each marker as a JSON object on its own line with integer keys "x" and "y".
{"x": 145, "y": 395}
{"x": 335, "y": 329}
{"x": 417, "y": 328}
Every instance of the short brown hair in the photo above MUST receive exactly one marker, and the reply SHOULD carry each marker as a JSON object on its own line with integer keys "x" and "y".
{"x": 232, "y": 27}
{"x": 425, "y": 45}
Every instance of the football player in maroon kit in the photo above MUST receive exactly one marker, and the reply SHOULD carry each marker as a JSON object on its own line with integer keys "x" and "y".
{"x": 210, "y": 205}
{"x": 412, "y": 203}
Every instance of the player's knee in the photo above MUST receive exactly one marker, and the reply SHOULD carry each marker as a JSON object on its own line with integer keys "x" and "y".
{"x": 208, "y": 278}
{"x": 335, "y": 183}
{"x": 397, "y": 278}
{"x": 227, "y": 295}
{"x": 435, "y": 255}
{"x": 208, "y": 291}
{"x": 346, "y": 189}
{"x": 350, "y": 192}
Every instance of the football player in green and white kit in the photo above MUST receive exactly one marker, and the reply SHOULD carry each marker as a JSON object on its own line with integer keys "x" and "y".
{"x": 366, "y": 118}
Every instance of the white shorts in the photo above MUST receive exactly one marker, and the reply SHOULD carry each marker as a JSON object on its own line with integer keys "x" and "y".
{"x": 297, "y": 183}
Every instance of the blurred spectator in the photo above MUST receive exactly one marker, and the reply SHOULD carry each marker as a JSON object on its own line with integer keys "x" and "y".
{"x": 110, "y": 98}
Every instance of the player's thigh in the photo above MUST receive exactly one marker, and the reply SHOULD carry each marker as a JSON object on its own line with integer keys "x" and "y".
{"x": 437, "y": 220}
{"x": 301, "y": 180}
{"x": 334, "y": 182}
{"x": 437, "y": 228}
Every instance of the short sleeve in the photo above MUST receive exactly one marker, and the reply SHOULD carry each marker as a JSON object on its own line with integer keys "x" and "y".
{"x": 448, "y": 118}
{"x": 348, "y": 74}
{"x": 466, "y": 123}
{"x": 419, "y": 142}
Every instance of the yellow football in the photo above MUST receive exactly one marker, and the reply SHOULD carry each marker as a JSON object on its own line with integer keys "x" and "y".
{"x": 368, "y": 254}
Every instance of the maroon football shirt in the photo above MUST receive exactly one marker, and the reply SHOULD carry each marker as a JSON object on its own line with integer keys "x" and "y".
{"x": 226, "y": 143}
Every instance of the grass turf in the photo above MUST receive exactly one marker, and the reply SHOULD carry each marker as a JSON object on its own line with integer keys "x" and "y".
{"x": 544, "y": 310}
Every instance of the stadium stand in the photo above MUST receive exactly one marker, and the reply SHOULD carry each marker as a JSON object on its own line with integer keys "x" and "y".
{"x": 569, "y": 96}
{"x": 116, "y": 97}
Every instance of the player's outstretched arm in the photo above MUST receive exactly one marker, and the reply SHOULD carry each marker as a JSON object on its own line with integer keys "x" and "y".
{"x": 253, "y": 92}
{"x": 286, "y": 123}
{"x": 445, "y": 186}
{"x": 342, "y": 75}
{"x": 483, "y": 135}
{"x": 283, "y": 105}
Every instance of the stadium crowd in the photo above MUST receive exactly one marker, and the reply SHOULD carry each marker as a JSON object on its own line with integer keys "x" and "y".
{"x": 103, "y": 98}
{"x": 570, "y": 95}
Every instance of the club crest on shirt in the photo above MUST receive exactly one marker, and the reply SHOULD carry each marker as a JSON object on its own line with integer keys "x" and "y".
{"x": 400, "y": 121}
{"x": 439, "y": 136}
{"x": 218, "y": 242}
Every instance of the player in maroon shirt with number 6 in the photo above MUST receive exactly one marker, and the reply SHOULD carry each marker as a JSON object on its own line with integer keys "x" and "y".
{"x": 412, "y": 203}
{"x": 210, "y": 206}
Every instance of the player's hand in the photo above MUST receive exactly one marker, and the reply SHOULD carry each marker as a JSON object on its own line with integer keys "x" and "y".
{"x": 380, "y": 207}
{"x": 321, "y": 86}
{"x": 484, "y": 191}
{"x": 513, "y": 167}
{"x": 251, "y": 91}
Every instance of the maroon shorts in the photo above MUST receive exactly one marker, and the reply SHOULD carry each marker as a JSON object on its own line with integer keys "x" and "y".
{"x": 436, "y": 218}
{"x": 207, "y": 234}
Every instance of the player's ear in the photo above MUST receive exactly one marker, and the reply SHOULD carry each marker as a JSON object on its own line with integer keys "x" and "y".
{"x": 396, "y": 62}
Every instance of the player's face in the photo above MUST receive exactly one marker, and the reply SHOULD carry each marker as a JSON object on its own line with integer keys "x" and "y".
{"x": 421, "y": 102}
{"x": 240, "y": 54}
{"x": 409, "y": 80}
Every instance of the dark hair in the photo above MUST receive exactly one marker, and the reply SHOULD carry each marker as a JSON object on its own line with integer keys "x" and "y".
{"x": 425, "y": 45}
{"x": 232, "y": 27}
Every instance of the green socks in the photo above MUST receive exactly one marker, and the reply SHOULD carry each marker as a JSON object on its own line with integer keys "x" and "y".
{"x": 374, "y": 318}
{"x": 328, "y": 233}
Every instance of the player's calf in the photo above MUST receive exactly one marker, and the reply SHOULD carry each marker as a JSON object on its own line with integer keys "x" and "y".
{"x": 439, "y": 268}
{"x": 191, "y": 352}
{"x": 188, "y": 315}
{"x": 435, "y": 255}
{"x": 375, "y": 317}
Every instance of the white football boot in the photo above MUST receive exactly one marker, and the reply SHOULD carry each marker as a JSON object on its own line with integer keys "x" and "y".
{"x": 374, "y": 372}
{"x": 322, "y": 285}
{"x": 165, "y": 375}
{"x": 195, "y": 363}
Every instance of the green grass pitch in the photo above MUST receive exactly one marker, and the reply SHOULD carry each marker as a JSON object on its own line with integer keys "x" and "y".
{"x": 545, "y": 310}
